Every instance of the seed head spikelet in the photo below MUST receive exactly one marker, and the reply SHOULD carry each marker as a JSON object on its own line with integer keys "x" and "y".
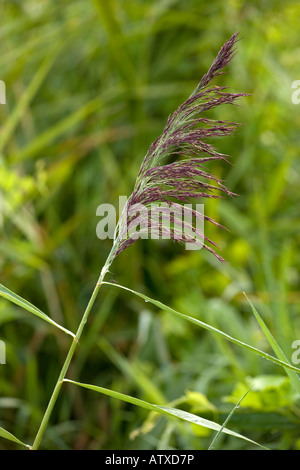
{"x": 174, "y": 171}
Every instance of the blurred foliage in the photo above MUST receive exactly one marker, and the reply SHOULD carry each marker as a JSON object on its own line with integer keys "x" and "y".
{"x": 271, "y": 393}
{"x": 89, "y": 86}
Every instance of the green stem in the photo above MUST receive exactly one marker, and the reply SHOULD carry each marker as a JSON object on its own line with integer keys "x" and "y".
{"x": 70, "y": 354}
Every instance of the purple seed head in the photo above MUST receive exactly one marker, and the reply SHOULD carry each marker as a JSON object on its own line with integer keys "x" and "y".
{"x": 184, "y": 139}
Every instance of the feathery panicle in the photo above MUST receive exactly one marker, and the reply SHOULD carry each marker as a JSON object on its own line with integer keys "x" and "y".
{"x": 173, "y": 171}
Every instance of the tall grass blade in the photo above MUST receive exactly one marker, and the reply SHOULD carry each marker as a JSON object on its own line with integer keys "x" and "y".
{"x": 16, "y": 299}
{"x": 51, "y": 134}
{"x": 145, "y": 383}
{"x": 294, "y": 378}
{"x": 210, "y": 328}
{"x": 174, "y": 412}
{"x": 30, "y": 92}
{"x": 227, "y": 419}
{"x": 7, "y": 435}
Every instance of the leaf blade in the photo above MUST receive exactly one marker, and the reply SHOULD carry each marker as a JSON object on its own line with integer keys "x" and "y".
{"x": 210, "y": 328}
{"x": 7, "y": 435}
{"x": 16, "y": 299}
{"x": 294, "y": 378}
{"x": 174, "y": 412}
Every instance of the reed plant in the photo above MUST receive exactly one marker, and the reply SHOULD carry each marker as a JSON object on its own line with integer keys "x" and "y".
{"x": 176, "y": 170}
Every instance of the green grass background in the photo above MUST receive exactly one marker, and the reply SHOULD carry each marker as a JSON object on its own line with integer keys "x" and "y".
{"x": 89, "y": 86}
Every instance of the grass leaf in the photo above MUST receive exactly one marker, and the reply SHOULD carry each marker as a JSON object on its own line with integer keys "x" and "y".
{"x": 174, "y": 412}
{"x": 294, "y": 378}
{"x": 7, "y": 435}
{"x": 210, "y": 328}
{"x": 227, "y": 419}
{"x": 30, "y": 92}
{"x": 16, "y": 299}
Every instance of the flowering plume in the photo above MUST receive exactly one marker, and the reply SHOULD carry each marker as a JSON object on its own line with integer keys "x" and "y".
{"x": 173, "y": 171}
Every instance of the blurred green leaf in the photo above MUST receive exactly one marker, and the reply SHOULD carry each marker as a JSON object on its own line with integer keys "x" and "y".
{"x": 268, "y": 393}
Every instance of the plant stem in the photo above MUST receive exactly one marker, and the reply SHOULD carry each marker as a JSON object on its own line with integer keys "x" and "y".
{"x": 70, "y": 354}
